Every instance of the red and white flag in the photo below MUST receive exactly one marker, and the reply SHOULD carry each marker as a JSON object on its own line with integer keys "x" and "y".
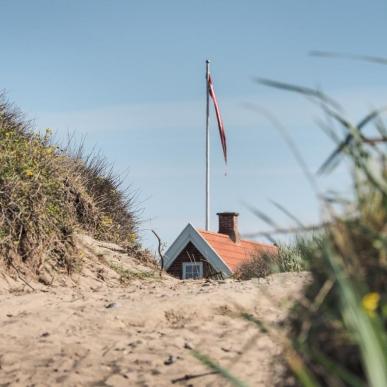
{"x": 222, "y": 132}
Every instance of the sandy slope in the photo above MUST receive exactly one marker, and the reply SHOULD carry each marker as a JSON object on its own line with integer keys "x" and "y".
{"x": 94, "y": 332}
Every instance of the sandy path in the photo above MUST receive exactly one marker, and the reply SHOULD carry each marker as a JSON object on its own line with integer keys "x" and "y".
{"x": 102, "y": 334}
{"x": 69, "y": 337}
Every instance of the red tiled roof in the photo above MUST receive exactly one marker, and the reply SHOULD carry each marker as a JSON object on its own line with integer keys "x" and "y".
{"x": 233, "y": 254}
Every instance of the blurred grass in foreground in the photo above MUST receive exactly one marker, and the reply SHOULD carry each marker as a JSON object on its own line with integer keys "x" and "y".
{"x": 337, "y": 333}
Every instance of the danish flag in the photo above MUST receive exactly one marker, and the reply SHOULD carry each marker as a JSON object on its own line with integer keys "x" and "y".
{"x": 222, "y": 132}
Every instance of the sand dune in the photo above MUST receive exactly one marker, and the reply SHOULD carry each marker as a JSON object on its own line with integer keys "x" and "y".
{"x": 92, "y": 330}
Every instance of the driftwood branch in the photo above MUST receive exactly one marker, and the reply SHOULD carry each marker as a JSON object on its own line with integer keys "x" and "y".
{"x": 159, "y": 250}
{"x": 20, "y": 276}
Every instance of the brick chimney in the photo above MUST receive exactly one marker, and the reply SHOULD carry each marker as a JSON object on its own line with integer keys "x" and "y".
{"x": 228, "y": 224}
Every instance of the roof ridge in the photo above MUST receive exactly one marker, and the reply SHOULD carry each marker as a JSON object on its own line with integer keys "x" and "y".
{"x": 212, "y": 232}
{"x": 242, "y": 240}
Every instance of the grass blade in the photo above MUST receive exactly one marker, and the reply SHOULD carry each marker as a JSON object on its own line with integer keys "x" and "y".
{"x": 288, "y": 213}
{"x": 211, "y": 364}
{"x": 339, "y": 55}
{"x": 305, "y": 91}
{"x": 261, "y": 215}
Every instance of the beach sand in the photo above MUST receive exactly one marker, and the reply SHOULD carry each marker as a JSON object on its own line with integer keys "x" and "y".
{"x": 92, "y": 330}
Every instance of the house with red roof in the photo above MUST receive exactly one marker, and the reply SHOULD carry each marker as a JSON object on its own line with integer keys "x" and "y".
{"x": 204, "y": 254}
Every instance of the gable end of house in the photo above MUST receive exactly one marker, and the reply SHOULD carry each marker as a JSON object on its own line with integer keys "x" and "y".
{"x": 190, "y": 247}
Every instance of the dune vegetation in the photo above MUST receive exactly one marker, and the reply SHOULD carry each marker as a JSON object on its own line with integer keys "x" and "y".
{"x": 48, "y": 193}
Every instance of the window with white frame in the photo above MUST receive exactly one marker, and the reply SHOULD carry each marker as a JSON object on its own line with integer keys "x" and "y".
{"x": 192, "y": 270}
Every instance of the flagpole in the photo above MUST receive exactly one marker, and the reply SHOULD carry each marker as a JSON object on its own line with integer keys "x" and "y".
{"x": 207, "y": 147}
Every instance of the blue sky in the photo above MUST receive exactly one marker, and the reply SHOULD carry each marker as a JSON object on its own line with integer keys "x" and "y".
{"x": 130, "y": 76}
